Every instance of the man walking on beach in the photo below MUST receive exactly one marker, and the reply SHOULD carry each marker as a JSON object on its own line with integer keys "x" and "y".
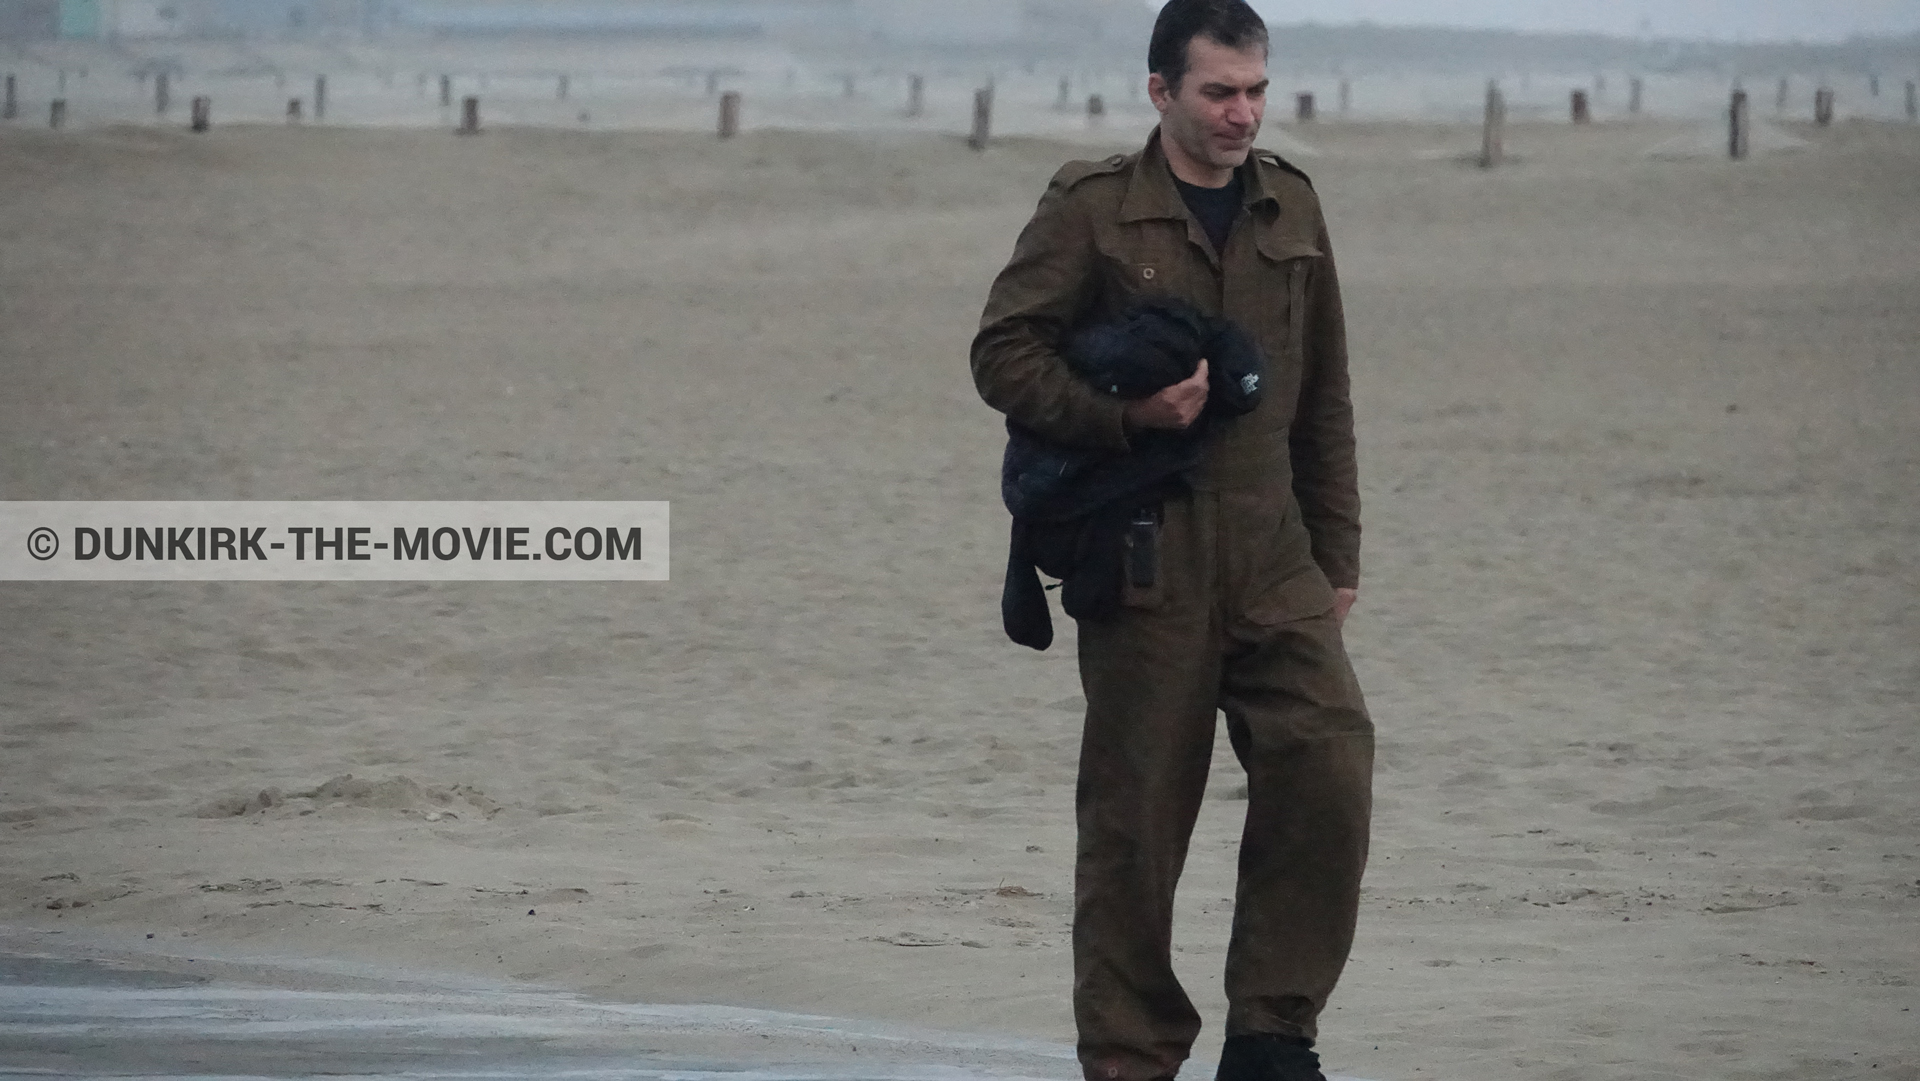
{"x": 1258, "y": 565}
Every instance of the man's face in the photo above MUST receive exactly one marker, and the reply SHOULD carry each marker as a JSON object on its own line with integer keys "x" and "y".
{"x": 1216, "y": 114}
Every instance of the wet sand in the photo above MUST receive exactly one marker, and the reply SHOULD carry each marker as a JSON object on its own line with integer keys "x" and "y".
{"x": 1638, "y": 625}
{"x": 101, "y": 1009}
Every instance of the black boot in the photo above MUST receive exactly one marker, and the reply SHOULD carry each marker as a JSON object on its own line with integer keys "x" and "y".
{"x": 1266, "y": 1057}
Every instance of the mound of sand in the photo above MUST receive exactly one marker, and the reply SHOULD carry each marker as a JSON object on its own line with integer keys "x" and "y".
{"x": 402, "y": 794}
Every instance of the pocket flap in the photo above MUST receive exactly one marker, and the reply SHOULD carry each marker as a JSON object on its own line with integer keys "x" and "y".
{"x": 1279, "y": 245}
{"x": 1302, "y": 596}
{"x": 1140, "y": 263}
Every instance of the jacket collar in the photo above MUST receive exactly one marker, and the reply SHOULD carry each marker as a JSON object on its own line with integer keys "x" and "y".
{"x": 1151, "y": 193}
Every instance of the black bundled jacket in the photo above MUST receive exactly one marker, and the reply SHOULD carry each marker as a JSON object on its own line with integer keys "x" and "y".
{"x": 1071, "y": 508}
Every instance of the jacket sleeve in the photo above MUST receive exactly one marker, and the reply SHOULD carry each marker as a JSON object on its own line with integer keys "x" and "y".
{"x": 1325, "y": 472}
{"x": 1016, "y": 358}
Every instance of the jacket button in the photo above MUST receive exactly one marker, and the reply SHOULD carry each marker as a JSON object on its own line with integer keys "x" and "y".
{"x": 1147, "y": 273}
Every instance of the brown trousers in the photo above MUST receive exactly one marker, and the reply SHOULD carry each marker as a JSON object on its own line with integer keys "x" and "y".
{"x": 1207, "y": 638}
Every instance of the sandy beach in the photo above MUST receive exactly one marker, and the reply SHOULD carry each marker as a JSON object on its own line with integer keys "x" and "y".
{"x": 1640, "y": 621}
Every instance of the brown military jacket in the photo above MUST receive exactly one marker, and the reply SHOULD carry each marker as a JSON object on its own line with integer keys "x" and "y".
{"x": 1109, "y": 231}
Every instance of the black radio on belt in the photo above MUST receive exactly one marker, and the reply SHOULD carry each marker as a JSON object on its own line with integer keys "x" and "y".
{"x": 1143, "y": 541}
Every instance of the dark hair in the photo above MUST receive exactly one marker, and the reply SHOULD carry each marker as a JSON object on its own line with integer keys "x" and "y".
{"x": 1230, "y": 23}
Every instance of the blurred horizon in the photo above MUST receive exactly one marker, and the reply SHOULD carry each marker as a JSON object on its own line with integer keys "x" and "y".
{"x": 1720, "y": 21}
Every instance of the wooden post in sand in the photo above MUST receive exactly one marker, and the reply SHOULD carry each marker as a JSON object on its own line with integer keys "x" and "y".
{"x": 202, "y": 113}
{"x": 729, "y": 114}
{"x": 1066, "y": 90}
{"x": 982, "y": 119}
{"x": 1737, "y": 129}
{"x": 293, "y": 110}
{"x": 1582, "y": 112}
{"x": 1913, "y": 102}
{"x": 1780, "y": 98}
{"x": 563, "y": 88}
{"x": 1493, "y": 136}
{"x": 1873, "y": 85}
{"x": 1303, "y": 107}
{"x": 1346, "y": 96}
{"x": 446, "y": 90}
{"x": 916, "y": 95}
{"x": 161, "y": 98}
{"x": 319, "y": 97}
{"x": 1823, "y": 106}
{"x": 10, "y": 108}
{"x": 469, "y": 115}
{"x": 1636, "y": 95}
{"x": 57, "y": 114}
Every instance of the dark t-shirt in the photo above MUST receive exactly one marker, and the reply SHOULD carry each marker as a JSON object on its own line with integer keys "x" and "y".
{"x": 1216, "y": 208}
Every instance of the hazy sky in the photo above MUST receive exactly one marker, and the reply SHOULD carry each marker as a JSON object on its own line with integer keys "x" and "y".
{"x": 1750, "y": 20}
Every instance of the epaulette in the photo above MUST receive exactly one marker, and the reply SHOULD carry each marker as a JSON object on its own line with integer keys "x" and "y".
{"x": 1074, "y": 172}
{"x": 1282, "y": 164}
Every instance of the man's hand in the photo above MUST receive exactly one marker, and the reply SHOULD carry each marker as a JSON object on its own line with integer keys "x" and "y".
{"x": 1343, "y": 603}
{"x": 1174, "y": 408}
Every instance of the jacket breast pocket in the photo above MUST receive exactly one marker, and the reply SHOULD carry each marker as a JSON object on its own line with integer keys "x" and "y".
{"x": 1131, "y": 269}
{"x": 1286, "y": 267}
